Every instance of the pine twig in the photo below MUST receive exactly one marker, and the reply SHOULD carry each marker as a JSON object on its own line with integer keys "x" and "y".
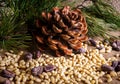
{"x": 13, "y": 34}
{"x": 100, "y": 10}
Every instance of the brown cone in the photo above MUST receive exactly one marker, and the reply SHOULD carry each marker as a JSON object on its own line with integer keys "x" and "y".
{"x": 61, "y": 30}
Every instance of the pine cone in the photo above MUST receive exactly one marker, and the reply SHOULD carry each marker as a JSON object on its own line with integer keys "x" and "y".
{"x": 61, "y": 30}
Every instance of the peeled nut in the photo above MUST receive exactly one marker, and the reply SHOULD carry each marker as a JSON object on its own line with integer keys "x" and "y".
{"x": 113, "y": 73}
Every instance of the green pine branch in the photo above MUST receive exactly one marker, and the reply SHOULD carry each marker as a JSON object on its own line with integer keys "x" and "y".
{"x": 101, "y": 9}
{"x": 32, "y": 8}
{"x": 101, "y": 17}
{"x": 16, "y": 14}
{"x": 10, "y": 28}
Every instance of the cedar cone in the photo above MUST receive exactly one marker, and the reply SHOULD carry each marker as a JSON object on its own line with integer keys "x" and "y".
{"x": 61, "y": 30}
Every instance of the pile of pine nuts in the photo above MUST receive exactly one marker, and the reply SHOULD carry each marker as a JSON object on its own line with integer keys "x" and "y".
{"x": 84, "y": 67}
{"x": 106, "y": 48}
